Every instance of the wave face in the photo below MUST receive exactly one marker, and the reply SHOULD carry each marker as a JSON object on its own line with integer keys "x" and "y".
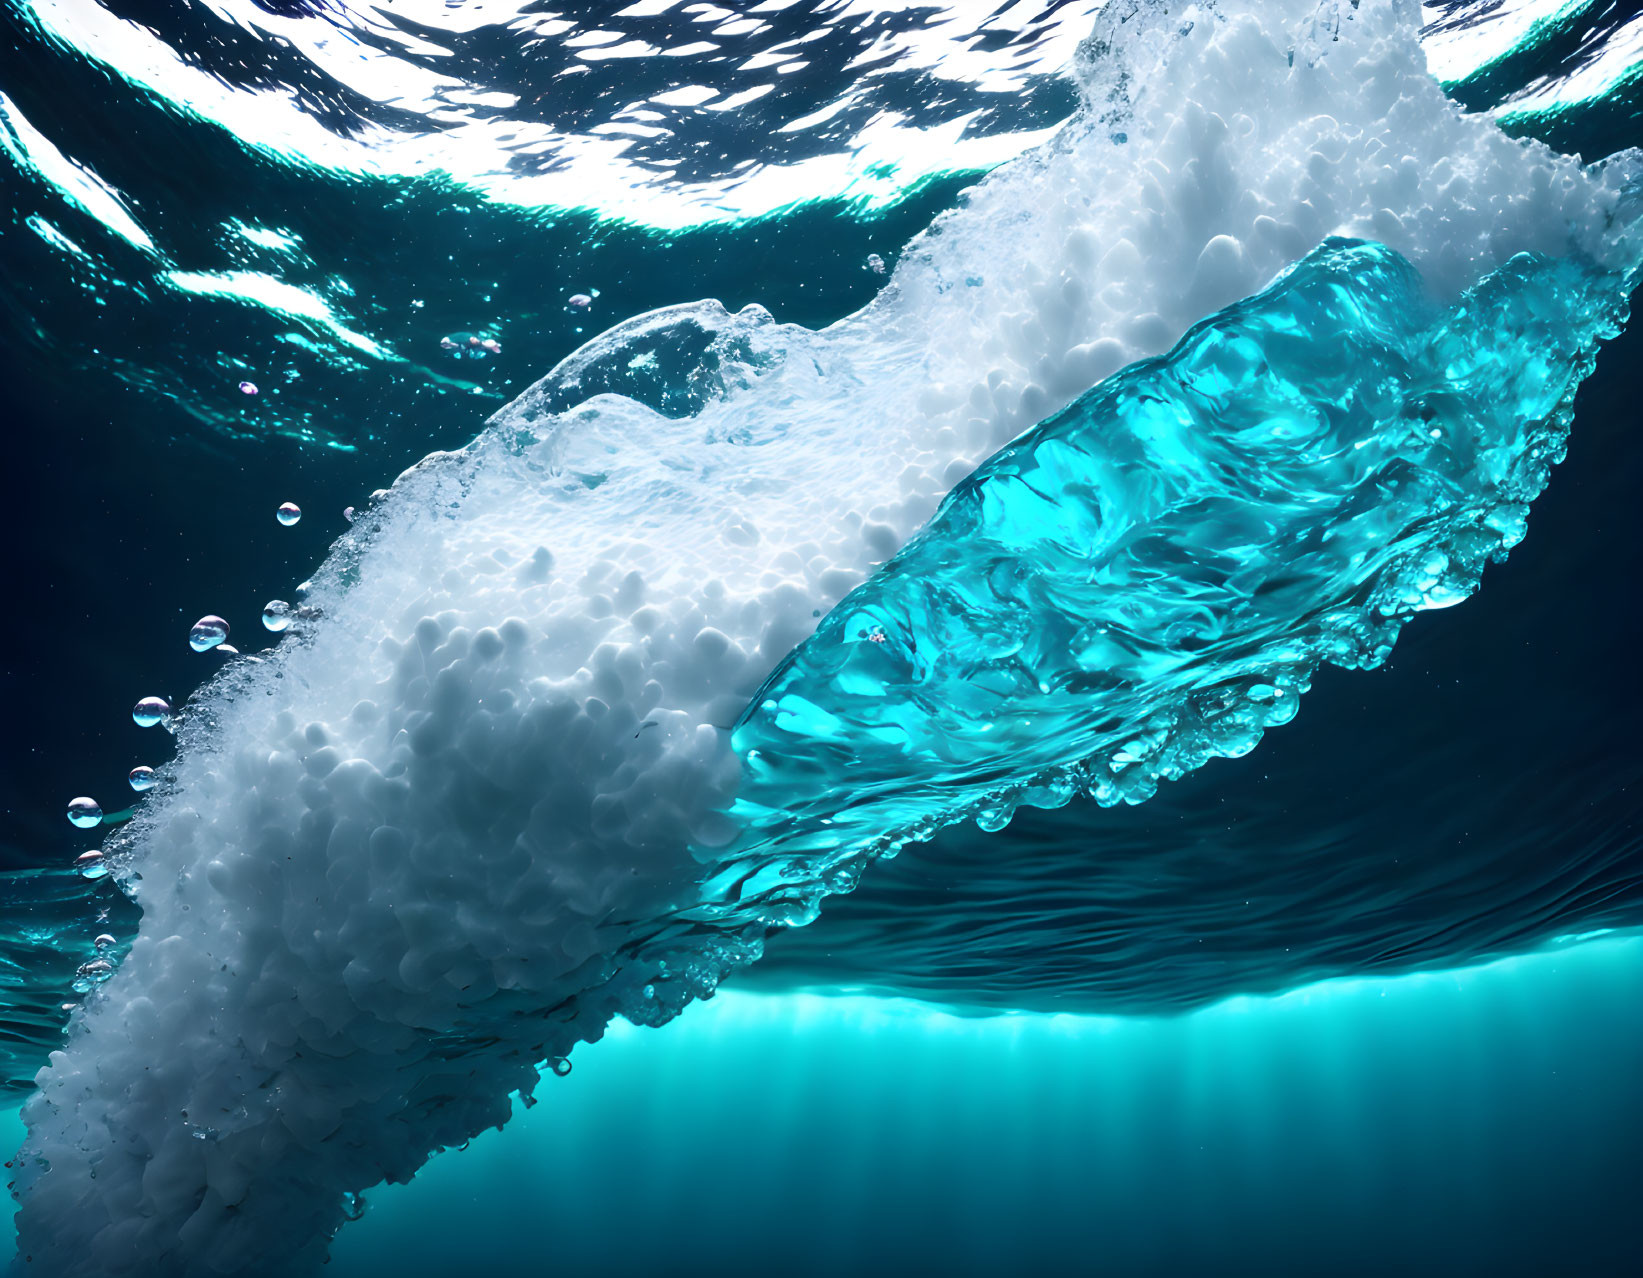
{"x": 495, "y": 788}
{"x": 1150, "y": 578}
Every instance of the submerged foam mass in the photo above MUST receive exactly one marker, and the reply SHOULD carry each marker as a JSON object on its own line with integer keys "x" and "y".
{"x": 492, "y": 789}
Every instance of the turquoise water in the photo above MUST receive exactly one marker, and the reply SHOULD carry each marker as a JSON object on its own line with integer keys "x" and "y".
{"x": 1352, "y": 1125}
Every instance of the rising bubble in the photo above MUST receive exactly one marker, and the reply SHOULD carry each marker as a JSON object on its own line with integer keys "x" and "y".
{"x": 288, "y": 513}
{"x": 248, "y": 388}
{"x": 84, "y": 813}
{"x": 276, "y": 615}
{"x": 151, "y": 710}
{"x": 104, "y": 941}
{"x": 207, "y": 633}
{"x": 142, "y": 778}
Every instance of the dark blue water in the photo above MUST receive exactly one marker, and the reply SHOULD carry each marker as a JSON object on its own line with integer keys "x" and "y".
{"x": 1473, "y": 798}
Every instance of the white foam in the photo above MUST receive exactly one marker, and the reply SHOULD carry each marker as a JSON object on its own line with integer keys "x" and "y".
{"x": 440, "y": 835}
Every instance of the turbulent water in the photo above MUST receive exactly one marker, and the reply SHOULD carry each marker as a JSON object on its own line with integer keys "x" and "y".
{"x": 1258, "y": 339}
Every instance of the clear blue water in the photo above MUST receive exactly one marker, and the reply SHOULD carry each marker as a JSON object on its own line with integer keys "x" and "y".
{"x": 1095, "y": 1028}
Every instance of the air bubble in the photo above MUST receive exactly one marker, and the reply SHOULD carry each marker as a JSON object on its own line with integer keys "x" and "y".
{"x": 348, "y": 514}
{"x": 90, "y": 864}
{"x": 276, "y": 615}
{"x": 875, "y": 263}
{"x": 579, "y": 301}
{"x": 149, "y": 711}
{"x": 353, "y": 1206}
{"x": 83, "y": 813}
{"x": 248, "y": 388}
{"x": 142, "y": 777}
{"x": 103, "y": 942}
{"x": 208, "y": 632}
{"x": 288, "y": 513}
{"x": 560, "y": 1066}
{"x": 228, "y": 650}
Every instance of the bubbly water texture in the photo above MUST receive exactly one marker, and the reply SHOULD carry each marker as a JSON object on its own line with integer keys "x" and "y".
{"x": 513, "y": 772}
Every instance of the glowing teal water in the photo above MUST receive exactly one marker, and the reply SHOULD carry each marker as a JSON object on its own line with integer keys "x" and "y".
{"x": 1465, "y": 1120}
{"x": 1149, "y": 578}
{"x": 1461, "y": 1120}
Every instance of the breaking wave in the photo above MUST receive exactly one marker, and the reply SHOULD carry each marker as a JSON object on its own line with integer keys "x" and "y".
{"x": 1266, "y": 351}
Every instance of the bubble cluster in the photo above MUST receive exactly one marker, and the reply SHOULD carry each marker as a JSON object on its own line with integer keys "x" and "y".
{"x": 91, "y": 974}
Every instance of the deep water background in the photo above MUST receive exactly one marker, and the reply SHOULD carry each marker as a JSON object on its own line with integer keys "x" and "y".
{"x": 1476, "y": 798}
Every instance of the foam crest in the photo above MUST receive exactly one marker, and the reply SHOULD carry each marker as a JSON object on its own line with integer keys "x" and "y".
{"x": 485, "y": 795}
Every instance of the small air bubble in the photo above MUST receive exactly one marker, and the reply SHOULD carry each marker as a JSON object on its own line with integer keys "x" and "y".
{"x": 276, "y": 615}
{"x": 348, "y": 514}
{"x": 104, "y": 941}
{"x": 207, "y": 633}
{"x": 142, "y": 777}
{"x": 83, "y": 813}
{"x": 248, "y": 388}
{"x": 288, "y": 513}
{"x": 149, "y": 711}
{"x": 560, "y": 1066}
